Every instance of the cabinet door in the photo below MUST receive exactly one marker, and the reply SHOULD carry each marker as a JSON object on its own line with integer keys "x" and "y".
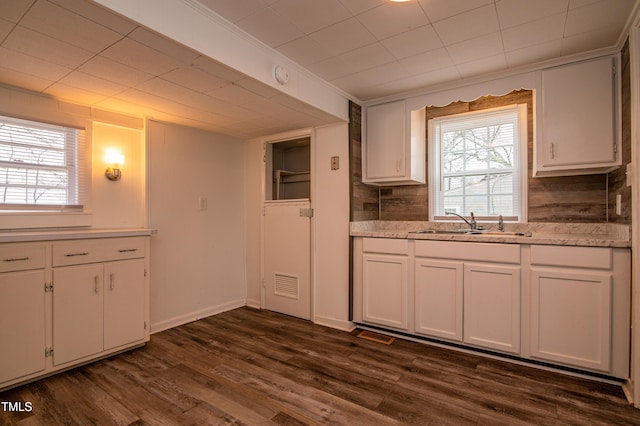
{"x": 571, "y": 317}
{"x": 578, "y": 115}
{"x": 123, "y": 303}
{"x": 438, "y": 298}
{"x": 492, "y": 306}
{"x": 77, "y": 312}
{"x": 22, "y": 324}
{"x": 384, "y": 289}
{"x": 385, "y": 143}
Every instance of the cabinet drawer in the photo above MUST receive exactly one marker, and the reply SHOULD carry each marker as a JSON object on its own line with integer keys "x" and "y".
{"x": 79, "y": 252}
{"x": 480, "y": 252}
{"x": 22, "y": 257}
{"x": 576, "y": 257}
{"x": 385, "y": 245}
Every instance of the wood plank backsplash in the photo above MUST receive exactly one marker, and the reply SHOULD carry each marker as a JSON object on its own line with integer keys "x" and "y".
{"x": 589, "y": 198}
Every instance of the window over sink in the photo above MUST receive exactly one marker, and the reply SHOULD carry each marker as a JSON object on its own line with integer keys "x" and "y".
{"x": 477, "y": 163}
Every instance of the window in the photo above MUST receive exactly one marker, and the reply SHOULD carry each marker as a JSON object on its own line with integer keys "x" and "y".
{"x": 39, "y": 166}
{"x": 478, "y": 163}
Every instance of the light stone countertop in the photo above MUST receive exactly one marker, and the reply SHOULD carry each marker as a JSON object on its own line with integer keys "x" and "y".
{"x": 71, "y": 234}
{"x": 566, "y": 234}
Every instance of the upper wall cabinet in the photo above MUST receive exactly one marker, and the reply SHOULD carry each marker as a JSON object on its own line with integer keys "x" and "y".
{"x": 394, "y": 145}
{"x": 579, "y": 126}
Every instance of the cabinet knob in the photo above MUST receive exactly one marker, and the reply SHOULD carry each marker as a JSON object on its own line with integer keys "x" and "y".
{"x": 97, "y": 284}
{"x": 111, "y": 285}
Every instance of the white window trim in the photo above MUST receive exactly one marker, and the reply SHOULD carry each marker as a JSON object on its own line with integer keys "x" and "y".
{"x": 435, "y": 174}
{"x": 19, "y": 219}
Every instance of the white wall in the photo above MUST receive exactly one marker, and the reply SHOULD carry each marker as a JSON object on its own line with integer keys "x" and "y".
{"x": 118, "y": 204}
{"x": 253, "y": 187}
{"x": 331, "y": 216}
{"x": 197, "y": 257}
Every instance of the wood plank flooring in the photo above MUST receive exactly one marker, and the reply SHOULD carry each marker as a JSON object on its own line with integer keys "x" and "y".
{"x": 251, "y": 367}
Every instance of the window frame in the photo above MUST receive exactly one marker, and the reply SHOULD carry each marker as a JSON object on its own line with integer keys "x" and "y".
{"x": 520, "y": 165}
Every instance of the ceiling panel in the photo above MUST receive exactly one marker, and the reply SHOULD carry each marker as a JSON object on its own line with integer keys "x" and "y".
{"x": 75, "y": 50}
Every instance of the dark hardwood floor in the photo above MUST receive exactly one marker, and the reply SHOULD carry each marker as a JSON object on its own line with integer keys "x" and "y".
{"x": 257, "y": 367}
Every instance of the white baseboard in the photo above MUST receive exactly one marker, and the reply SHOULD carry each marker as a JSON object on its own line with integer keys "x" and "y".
{"x": 339, "y": 324}
{"x": 196, "y": 315}
{"x": 254, "y": 303}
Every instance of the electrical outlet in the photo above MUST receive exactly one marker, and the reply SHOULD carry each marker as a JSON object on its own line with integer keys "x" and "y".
{"x": 335, "y": 163}
{"x": 203, "y": 203}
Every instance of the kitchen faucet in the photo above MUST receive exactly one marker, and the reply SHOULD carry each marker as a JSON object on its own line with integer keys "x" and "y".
{"x": 472, "y": 223}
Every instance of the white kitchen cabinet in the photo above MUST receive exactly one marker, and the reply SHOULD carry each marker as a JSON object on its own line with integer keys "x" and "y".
{"x": 22, "y": 310}
{"x": 579, "y": 307}
{"x": 394, "y": 145}
{"x": 579, "y": 125}
{"x": 97, "y": 306}
{"x": 492, "y": 306}
{"x": 384, "y": 282}
{"x": 77, "y": 312}
{"x": 66, "y": 302}
{"x": 438, "y": 298}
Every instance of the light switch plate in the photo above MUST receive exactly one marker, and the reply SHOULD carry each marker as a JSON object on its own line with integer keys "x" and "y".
{"x": 629, "y": 174}
{"x": 203, "y": 203}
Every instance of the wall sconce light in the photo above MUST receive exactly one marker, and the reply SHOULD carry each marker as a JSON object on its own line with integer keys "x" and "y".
{"x": 115, "y": 161}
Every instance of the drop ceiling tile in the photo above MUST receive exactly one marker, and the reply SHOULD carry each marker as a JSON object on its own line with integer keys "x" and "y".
{"x": 217, "y": 69}
{"x": 533, "y": 54}
{"x": 22, "y": 80}
{"x": 136, "y": 55}
{"x": 174, "y": 92}
{"x": 535, "y": 32}
{"x": 344, "y": 36}
{"x": 366, "y": 57}
{"x": 329, "y": 69}
{"x": 412, "y": 42}
{"x": 438, "y": 10}
{"x": 587, "y": 41}
{"x": 235, "y": 95}
{"x": 98, "y": 14}
{"x": 427, "y": 61}
{"x": 163, "y": 45}
{"x": 73, "y": 94}
{"x": 13, "y": 10}
{"x": 304, "y": 51}
{"x": 438, "y": 76}
{"x": 32, "y": 66}
{"x": 194, "y": 78}
{"x": 311, "y": 15}
{"x": 45, "y": 48}
{"x": 390, "y": 19}
{"x": 62, "y": 24}
{"x": 269, "y": 27}
{"x": 468, "y": 25}
{"x": 391, "y": 88}
{"x": 91, "y": 83}
{"x": 476, "y": 48}
{"x": 484, "y": 65}
{"x": 235, "y": 10}
{"x": 375, "y": 76}
{"x": 257, "y": 87}
{"x": 598, "y": 16}
{"x": 108, "y": 69}
{"x": 579, "y": 3}
{"x": 5, "y": 28}
{"x": 516, "y": 12}
{"x": 358, "y": 6}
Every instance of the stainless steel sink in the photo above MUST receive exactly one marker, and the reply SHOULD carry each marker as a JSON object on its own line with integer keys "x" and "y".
{"x": 471, "y": 232}
{"x": 441, "y": 231}
{"x": 505, "y": 233}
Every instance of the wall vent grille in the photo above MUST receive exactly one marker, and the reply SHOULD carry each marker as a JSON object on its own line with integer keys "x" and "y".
{"x": 286, "y": 286}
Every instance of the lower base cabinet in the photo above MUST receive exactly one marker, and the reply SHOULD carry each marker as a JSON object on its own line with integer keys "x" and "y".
{"x": 562, "y": 305}
{"x": 70, "y": 302}
{"x": 22, "y": 324}
{"x": 492, "y": 307}
{"x": 571, "y": 317}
